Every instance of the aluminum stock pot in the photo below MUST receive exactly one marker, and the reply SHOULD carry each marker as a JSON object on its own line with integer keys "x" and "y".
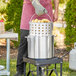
{"x": 40, "y": 47}
{"x": 40, "y": 40}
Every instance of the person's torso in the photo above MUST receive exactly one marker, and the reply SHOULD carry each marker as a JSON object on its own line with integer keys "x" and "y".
{"x": 29, "y": 11}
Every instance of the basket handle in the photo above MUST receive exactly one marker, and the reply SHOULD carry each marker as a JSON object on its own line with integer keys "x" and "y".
{"x": 46, "y": 14}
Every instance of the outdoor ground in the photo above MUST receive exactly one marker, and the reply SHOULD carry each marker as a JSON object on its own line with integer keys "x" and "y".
{"x": 66, "y": 70}
{"x": 13, "y": 55}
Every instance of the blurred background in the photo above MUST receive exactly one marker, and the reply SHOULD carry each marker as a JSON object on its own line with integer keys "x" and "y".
{"x": 64, "y": 31}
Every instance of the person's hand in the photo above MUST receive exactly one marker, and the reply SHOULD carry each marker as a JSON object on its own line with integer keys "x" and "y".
{"x": 55, "y": 16}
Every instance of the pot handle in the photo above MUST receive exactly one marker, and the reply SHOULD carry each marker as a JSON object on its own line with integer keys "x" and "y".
{"x": 46, "y": 14}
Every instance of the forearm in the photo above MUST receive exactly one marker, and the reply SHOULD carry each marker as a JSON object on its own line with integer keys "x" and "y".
{"x": 56, "y": 3}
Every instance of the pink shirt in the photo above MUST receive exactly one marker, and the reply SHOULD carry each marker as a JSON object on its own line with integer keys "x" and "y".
{"x": 28, "y": 11}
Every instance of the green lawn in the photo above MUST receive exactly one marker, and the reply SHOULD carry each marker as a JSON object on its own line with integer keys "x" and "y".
{"x": 66, "y": 70}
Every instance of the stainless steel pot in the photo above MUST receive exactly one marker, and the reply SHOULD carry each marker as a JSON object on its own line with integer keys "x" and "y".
{"x": 40, "y": 47}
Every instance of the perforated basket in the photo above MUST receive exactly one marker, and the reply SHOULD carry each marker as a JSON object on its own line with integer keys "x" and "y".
{"x": 41, "y": 29}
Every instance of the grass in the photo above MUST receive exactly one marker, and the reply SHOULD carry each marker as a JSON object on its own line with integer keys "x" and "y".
{"x": 66, "y": 70}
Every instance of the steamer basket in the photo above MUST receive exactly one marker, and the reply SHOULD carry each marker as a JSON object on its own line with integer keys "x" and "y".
{"x": 41, "y": 29}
